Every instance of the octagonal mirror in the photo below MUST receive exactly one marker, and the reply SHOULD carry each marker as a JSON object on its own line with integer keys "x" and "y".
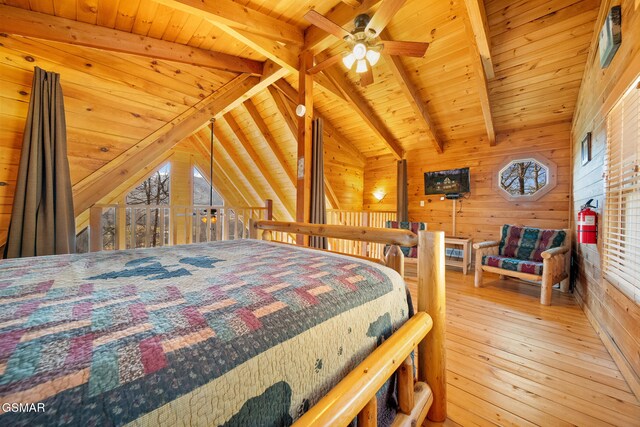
{"x": 526, "y": 177}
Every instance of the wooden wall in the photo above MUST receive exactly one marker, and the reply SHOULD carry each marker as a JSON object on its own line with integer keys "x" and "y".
{"x": 609, "y": 310}
{"x": 484, "y": 211}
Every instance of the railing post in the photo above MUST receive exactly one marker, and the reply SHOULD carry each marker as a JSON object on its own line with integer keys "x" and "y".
{"x": 394, "y": 259}
{"x": 431, "y": 299}
{"x": 365, "y": 245}
{"x": 121, "y": 227}
{"x": 95, "y": 229}
{"x": 226, "y": 224}
{"x": 268, "y": 204}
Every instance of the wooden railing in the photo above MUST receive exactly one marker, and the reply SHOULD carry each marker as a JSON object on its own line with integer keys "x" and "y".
{"x": 114, "y": 227}
{"x": 376, "y": 219}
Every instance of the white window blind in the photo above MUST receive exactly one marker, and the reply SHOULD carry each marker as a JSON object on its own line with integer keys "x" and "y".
{"x": 622, "y": 207}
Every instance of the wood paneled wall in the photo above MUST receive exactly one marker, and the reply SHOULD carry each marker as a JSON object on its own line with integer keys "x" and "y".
{"x": 612, "y": 312}
{"x": 481, "y": 215}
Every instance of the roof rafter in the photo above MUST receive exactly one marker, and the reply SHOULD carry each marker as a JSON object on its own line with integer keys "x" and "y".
{"x": 290, "y": 93}
{"x": 101, "y": 182}
{"x": 257, "y": 161}
{"x": 199, "y": 143}
{"x": 225, "y": 147}
{"x": 240, "y": 17}
{"x": 480, "y": 27}
{"x": 476, "y": 42}
{"x": 268, "y": 137}
{"x": 364, "y": 110}
{"x": 411, "y": 93}
{"x": 42, "y": 26}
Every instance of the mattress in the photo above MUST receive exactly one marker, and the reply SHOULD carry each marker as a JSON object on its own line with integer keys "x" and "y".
{"x": 227, "y": 333}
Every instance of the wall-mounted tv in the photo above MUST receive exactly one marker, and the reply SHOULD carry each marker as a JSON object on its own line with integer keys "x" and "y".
{"x": 447, "y": 182}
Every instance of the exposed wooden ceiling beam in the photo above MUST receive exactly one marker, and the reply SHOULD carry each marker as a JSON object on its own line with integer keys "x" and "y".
{"x": 47, "y": 27}
{"x": 342, "y": 14}
{"x": 257, "y": 162}
{"x": 225, "y": 147}
{"x": 360, "y": 105}
{"x": 481, "y": 80}
{"x": 480, "y": 27}
{"x": 238, "y": 16}
{"x": 290, "y": 93}
{"x": 272, "y": 72}
{"x": 283, "y": 108}
{"x": 202, "y": 145}
{"x": 268, "y": 45}
{"x": 101, "y": 182}
{"x": 413, "y": 97}
{"x": 259, "y": 122}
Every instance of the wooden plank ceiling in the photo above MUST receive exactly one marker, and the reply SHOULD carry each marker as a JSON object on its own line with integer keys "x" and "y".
{"x": 490, "y": 68}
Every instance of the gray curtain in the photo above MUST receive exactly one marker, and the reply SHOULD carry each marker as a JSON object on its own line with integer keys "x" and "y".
{"x": 318, "y": 204}
{"x": 402, "y": 197}
{"x": 42, "y": 219}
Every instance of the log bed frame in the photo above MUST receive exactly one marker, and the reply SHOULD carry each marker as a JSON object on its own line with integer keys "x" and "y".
{"x": 355, "y": 395}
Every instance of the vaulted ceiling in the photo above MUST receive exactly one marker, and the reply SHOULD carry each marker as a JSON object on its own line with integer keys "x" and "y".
{"x": 135, "y": 71}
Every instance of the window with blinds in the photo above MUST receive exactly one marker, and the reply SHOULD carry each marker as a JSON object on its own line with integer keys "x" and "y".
{"x": 622, "y": 185}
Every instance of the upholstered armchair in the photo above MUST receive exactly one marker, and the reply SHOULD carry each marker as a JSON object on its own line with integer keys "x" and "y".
{"x": 527, "y": 253}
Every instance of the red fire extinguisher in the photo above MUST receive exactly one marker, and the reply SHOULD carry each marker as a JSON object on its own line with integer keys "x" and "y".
{"x": 587, "y": 224}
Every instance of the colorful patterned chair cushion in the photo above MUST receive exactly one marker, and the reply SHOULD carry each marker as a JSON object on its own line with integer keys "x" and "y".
{"x": 513, "y": 264}
{"x": 414, "y": 227}
{"x": 526, "y": 243}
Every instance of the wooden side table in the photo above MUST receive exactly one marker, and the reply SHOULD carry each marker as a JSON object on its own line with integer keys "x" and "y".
{"x": 466, "y": 244}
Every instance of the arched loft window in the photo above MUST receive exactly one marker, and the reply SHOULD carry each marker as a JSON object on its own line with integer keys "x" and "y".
{"x": 155, "y": 193}
{"x": 201, "y": 189}
{"x": 154, "y": 190}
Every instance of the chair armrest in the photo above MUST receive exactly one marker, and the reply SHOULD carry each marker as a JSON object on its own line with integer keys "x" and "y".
{"x": 549, "y": 253}
{"x": 484, "y": 245}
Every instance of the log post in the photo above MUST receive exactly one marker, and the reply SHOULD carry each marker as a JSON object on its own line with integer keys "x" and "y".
{"x": 305, "y": 133}
{"x": 564, "y": 285}
{"x": 547, "y": 281}
{"x": 394, "y": 259}
{"x": 368, "y": 417}
{"x": 431, "y": 299}
{"x": 477, "y": 280}
{"x": 95, "y": 229}
{"x": 268, "y": 204}
{"x": 406, "y": 398}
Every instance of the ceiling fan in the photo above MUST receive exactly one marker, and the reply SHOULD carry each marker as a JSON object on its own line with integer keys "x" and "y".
{"x": 365, "y": 45}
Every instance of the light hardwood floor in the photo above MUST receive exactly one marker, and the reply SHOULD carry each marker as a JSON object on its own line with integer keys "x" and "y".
{"x": 512, "y": 361}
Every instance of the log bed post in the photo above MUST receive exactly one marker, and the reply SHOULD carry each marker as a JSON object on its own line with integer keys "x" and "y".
{"x": 394, "y": 259}
{"x": 354, "y": 395}
{"x": 431, "y": 299}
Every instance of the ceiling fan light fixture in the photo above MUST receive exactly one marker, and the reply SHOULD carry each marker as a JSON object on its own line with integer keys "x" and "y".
{"x": 362, "y": 66}
{"x": 359, "y": 51}
{"x": 348, "y": 60}
{"x": 373, "y": 57}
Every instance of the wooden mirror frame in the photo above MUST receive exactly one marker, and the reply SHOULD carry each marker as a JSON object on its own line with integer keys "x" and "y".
{"x": 552, "y": 176}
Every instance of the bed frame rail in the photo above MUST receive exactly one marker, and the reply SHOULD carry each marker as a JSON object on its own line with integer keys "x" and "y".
{"x": 355, "y": 395}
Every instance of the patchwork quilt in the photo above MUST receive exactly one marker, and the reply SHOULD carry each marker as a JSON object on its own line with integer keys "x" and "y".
{"x": 228, "y": 333}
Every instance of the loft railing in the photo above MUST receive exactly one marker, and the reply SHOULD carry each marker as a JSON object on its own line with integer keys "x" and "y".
{"x": 113, "y": 227}
{"x": 358, "y": 219}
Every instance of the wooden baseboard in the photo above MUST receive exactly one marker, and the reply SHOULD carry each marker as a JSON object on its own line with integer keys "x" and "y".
{"x": 621, "y": 361}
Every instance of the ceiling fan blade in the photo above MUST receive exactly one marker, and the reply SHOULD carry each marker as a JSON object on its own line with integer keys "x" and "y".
{"x": 326, "y": 24}
{"x": 366, "y": 78}
{"x": 381, "y": 18}
{"x": 416, "y": 49}
{"x": 325, "y": 64}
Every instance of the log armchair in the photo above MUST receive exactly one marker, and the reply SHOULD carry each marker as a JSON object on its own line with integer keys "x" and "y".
{"x": 527, "y": 253}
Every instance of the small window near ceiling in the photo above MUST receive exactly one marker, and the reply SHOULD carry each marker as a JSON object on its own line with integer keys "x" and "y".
{"x": 621, "y": 245}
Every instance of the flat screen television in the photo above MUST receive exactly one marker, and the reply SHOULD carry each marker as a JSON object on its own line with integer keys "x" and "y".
{"x": 447, "y": 182}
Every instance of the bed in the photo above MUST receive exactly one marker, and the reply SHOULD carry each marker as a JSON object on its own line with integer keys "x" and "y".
{"x": 229, "y": 333}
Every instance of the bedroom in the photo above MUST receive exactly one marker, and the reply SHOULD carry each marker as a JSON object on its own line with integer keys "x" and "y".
{"x": 490, "y": 86}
